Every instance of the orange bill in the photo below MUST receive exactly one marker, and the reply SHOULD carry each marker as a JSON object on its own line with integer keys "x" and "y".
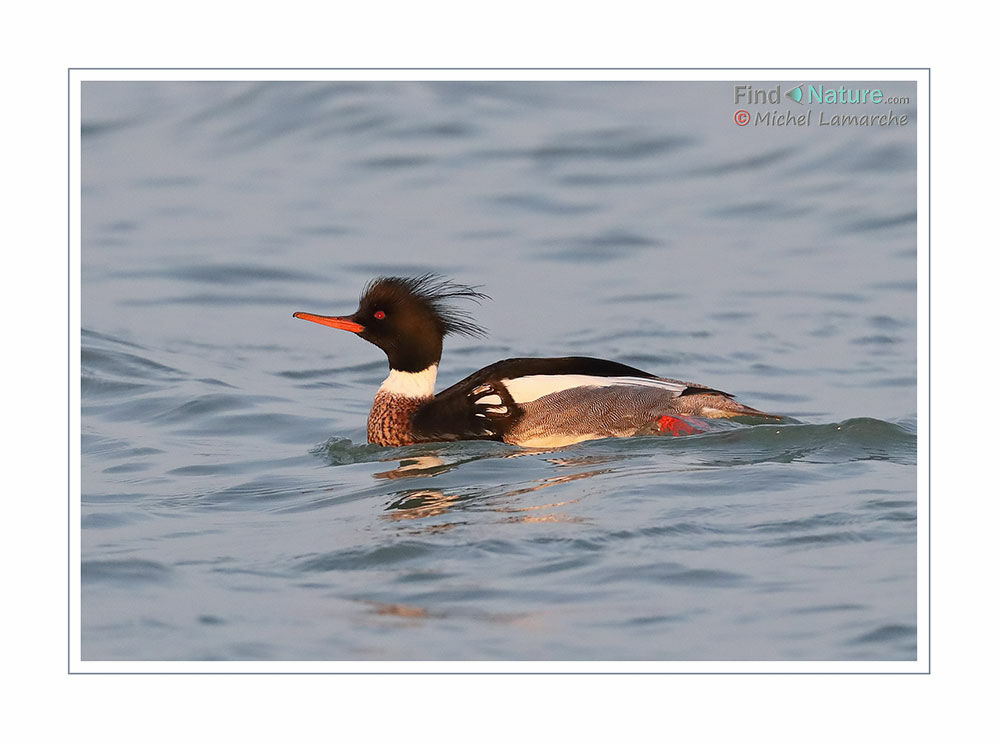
{"x": 341, "y": 323}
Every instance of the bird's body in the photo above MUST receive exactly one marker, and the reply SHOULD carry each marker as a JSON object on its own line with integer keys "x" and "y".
{"x": 532, "y": 402}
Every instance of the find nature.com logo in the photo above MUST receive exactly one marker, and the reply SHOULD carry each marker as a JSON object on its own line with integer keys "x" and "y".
{"x": 808, "y": 94}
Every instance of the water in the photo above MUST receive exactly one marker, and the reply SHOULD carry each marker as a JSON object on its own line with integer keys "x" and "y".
{"x": 231, "y": 508}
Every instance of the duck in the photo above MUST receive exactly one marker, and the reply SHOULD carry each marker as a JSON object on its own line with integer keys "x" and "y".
{"x": 526, "y": 402}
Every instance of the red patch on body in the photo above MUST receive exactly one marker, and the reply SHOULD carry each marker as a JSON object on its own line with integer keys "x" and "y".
{"x": 675, "y": 426}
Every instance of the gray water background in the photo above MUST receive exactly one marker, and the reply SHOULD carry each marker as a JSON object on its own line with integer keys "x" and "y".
{"x": 230, "y": 507}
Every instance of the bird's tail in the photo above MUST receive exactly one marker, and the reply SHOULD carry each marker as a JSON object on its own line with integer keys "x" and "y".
{"x": 721, "y": 406}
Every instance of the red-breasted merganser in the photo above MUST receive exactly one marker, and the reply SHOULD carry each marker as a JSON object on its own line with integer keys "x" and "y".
{"x": 528, "y": 402}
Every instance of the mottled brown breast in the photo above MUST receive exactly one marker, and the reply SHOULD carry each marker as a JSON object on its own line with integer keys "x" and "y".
{"x": 390, "y": 421}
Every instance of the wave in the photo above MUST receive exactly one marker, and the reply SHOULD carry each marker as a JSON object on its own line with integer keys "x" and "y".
{"x": 728, "y": 443}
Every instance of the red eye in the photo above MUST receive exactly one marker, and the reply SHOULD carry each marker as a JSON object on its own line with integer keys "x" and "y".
{"x": 379, "y": 315}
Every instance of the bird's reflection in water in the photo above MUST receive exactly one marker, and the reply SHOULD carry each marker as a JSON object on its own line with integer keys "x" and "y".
{"x": 414, "y": 613}
{"x": 416, "y": 467}
{"x": 406, "y": 611}
{"x": 548, "y": 482}
{"x": 426, "y": 502}
{"x": 419, "y": 504}
{"x": 431, "y": 465}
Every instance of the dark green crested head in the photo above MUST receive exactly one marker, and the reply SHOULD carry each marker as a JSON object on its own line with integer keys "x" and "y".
{"x": 408, "y": 318}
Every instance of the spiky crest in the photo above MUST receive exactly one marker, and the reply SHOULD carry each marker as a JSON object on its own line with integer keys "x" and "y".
{"x": 435, "y": 293}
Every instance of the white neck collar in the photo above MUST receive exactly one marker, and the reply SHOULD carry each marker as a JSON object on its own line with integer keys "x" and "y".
{"x": 411, "y": 384}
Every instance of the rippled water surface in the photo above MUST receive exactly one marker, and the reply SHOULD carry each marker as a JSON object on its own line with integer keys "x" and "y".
{"x": 231, "y": 508}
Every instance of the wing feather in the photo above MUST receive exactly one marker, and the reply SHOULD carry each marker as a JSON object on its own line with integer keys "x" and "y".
{"x": 532, "y": 387}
